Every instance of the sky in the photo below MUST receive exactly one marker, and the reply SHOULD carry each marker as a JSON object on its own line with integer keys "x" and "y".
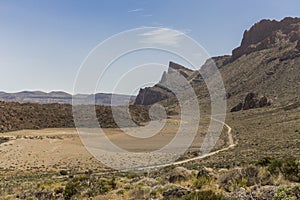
{"x": 44, "y": 43}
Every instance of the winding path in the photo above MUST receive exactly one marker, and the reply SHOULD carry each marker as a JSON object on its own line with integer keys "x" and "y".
{"x": 231, "y": 145}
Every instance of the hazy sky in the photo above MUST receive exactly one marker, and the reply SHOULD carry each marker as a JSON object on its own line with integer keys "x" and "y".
{"x": 43, "y": 43}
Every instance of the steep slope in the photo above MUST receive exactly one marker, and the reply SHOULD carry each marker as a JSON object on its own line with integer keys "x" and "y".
{"x": 267, "y": 62}
{"x": 266, "y": 34}
{"x": 159, "y": 92}
{"x": 265, "y": 68}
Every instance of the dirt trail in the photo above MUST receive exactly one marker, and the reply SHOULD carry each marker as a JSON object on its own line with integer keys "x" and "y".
{"x": 57, "y": 149}
{"x": 231, "y": 145}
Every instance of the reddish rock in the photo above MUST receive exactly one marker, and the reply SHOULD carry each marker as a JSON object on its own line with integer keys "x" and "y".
{"x": 266, "y": 34}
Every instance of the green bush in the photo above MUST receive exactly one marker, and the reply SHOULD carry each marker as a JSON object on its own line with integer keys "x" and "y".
{"x": 201, "y": 181}
{"x": 290, "y": 169}
{"x": 203, "y": 195}
{"x": 264, "y": 161}
{"x": 71, "y": 189}
{"x": 296, "y": 191}
{"x": 284, "y": 194}
{"x": 101, "y": 186}
{"x": 275, "y": 166}
{"x": 75, "y": 187}
{"x": 63, "y": 172}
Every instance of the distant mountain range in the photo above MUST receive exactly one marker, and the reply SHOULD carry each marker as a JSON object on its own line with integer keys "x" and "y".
{"x": 65, "y": 98}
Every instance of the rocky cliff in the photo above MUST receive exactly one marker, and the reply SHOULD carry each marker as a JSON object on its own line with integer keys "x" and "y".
{"x": 267, "y": 62}
{"x": 268, "y": 33}
{"x": 160, "y": 91}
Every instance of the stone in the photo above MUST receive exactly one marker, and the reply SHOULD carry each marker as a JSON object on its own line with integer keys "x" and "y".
{"x": 238, "y": 107}
{"x": 252, "y": 100}
{"x": 179, "y": 174}
{"x": 175, "y": 193}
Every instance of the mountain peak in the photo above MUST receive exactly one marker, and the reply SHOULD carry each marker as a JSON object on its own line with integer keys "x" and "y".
{"x": 268, "y": 33}
{"x": 177, "y": 66}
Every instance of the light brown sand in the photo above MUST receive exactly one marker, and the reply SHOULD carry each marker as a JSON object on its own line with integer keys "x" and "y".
{"x": 58, "y": 149}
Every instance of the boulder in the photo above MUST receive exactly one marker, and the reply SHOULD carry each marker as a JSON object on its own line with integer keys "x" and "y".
{"x": 175, "y": 193}
{"x": 238, "y": 107}
{"x": 252, "y": 100}
{"x": 179, "y": 174}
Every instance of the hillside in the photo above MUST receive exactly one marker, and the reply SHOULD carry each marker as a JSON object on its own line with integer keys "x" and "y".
{"x": 267, "y": 62}
{"x": 18, "y": 116}
{"x": 262, "y": 73}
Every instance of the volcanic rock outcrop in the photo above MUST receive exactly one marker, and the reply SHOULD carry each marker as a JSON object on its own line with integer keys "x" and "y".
{"x": 161, "y": 91}
{"x": 266, "y": 34}
{"x": 267, "y": 62}
{"x": 252, "y": 100}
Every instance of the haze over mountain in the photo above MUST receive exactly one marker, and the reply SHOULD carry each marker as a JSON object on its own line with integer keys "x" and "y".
{"x": 65, "y": 98}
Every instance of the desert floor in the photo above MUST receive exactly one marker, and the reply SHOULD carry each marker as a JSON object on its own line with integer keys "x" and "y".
{"x": 61, "y": 149}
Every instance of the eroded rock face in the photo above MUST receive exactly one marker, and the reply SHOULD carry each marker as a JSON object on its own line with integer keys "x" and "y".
{"x": 159, "y": 92}
{"x": 266, "y": 34}
{"x": 151, "y": 95}
{"x": 252, "y": 100}
{"x": 275, "y": 51}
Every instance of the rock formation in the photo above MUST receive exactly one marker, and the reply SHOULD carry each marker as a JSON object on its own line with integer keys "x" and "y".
{"x": 160, "y": 91}
{"x": 252, "y": 100}
{"x": 267, "y": 62}
{"x": 266, "y": 34}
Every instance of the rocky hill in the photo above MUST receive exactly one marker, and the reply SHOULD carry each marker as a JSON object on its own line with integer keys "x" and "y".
{"x": 18, "y": 116}
{"x": 160, "y": 91}
{"x": 266, "y": 34}
{"x": 267, "y": 63}
{"x": 64, "y": 98}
